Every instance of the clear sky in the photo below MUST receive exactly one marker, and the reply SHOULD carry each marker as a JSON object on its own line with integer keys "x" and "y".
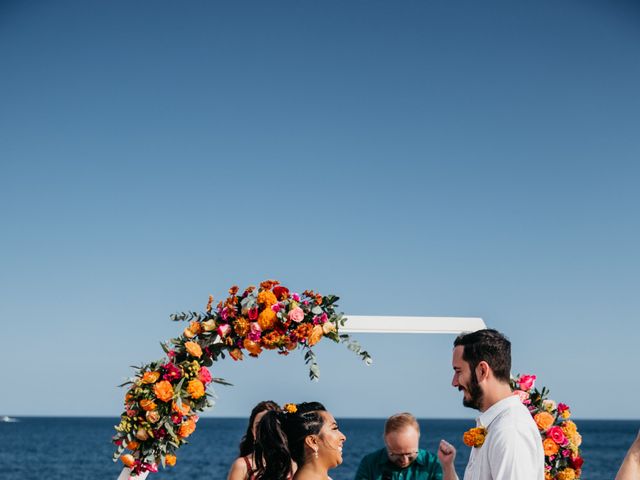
{"x": 415, "y": 158}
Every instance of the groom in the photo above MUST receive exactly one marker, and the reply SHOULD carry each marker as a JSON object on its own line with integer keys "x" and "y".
{"x": 512, "y": 449}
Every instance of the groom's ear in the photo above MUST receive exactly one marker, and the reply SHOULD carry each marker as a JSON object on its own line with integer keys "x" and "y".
{"x": 483, "y": 371}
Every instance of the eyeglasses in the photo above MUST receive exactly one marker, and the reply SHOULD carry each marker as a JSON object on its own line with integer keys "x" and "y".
{"x": 397, "y": 456}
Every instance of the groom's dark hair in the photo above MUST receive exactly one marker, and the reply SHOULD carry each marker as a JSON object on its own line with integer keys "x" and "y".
{"x": 490, "y": 346}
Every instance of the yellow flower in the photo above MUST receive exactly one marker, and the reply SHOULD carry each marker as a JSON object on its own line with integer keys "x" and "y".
{"x": 328, "y": 327}
{"x": 316, "y": 335}
{"x": 474, "y": 437}
{"x": 290, "y": 407}
{"x": 194, "y": 349}
{"x": 565, "y": 414}
{"x": 187, "y": 332}
{"x": 195, "y": 388}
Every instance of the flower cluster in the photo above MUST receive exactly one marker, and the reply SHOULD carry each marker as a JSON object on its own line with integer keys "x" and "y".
{"x": 163, "y": 399}
{"x": 474, "y": 437}
{"x": 560, "y": 438}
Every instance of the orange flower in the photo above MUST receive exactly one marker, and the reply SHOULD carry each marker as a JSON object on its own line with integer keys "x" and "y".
{"x": 268, "y": 284}
{"x": 241, "y": 326}
{"x": 566, "y": 474}
{"x": 133, "y": 445}
{"x": 233, "y": 290}
{"x": 150, "y": 377}
{"x": 316, "y": 335}
{"x": 187, "y": 428}
{"x": 170, "y": 459}
{"x": 195, "y": 327}
{"x": 304, "y": 330}
{"x": 163, "y": 391}
{"x": 148, "y": 405}
{"x": 195, "y": 388}
{"x": 194, "y": 349}
{"x": 128, "y": 460}
{"x": 550, "y": 447}
{"x": 474, "y": 437}
{"x": 236, "y": 354}
{"x": 208, "y": 309}
{"x": 267, "y": 318}
{"x": 252, "y": 347}
{"x": 267, "y": 298}
{"x": 187, "y": 332}
{"x": 182, "y": 410}
{"x": 544, "y": 420}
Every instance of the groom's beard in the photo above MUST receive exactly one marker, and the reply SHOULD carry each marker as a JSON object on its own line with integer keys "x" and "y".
{"x": 475, "y": 393}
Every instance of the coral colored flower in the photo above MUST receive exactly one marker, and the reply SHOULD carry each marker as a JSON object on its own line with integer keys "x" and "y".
{"x": 163, "y": 391}
{"x": 170, "y": 459}
{"x": 557, "y": 435}
{"x": 526, "y": 382}
{"x": 267, "y": 319}
{"x": 150, "y": 377}
{"x": 550, "y": 447}
{"x": 474, "y": 437}
{"x": 204, "y": 375}
{"x": 148, "y": 405}
{"x": 133, "y": 445}
{"x": 194, "y": 349}
{"x": 544, "y": 420}
{"x": 296, "y": 315}
{"x": 187, "y": 428}
{"x": 128, "y": 460}
{"x": 252, "y": 347}
{"x": 195, "y": 388}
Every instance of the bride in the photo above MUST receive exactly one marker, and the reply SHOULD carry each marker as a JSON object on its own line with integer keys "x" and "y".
{"x": 306, "y": 434}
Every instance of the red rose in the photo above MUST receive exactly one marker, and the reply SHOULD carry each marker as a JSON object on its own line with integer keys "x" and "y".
{"x": 577, "y": 462}
{"x": 281, "y": 292}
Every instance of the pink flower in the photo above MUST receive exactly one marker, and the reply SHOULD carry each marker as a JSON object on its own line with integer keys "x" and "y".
{"x": 296, "y": 297}
{"x": 171, "y": 354}
{"x": 172, "y": 372}
{"x": 557, "y": 435}
{"x": 224, "y": 329}
{"x": 524, "y": 396}
{"x": 296, "y": 315}
{"x": 275, "y": 307}
{"x": 526, "y": 382}
{"x": 253, "y": 313}
{"x": 562, "y": 407}
{"x": 204, "y": 375}
{"x": 255, "y": 331}
{"x": 224, "y": 313}
{"x": 566, "y": 453}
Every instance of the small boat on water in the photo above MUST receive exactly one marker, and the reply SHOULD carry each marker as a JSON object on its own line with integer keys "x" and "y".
{"x": 7, "y": 419}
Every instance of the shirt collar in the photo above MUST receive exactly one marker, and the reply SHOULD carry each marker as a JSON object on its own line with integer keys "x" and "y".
{"x": 489, "y": 415}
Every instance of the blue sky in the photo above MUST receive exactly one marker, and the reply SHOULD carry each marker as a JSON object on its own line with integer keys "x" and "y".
{"x": 415, "y": 158}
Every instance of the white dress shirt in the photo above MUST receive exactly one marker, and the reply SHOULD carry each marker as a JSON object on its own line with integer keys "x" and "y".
{"x": 512, "y": 449}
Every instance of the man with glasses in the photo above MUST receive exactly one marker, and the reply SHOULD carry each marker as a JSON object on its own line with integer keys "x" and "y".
{"x": 402, "y": 459}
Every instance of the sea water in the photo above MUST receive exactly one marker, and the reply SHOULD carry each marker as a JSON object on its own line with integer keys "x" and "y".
{"x": 80, "y": 448}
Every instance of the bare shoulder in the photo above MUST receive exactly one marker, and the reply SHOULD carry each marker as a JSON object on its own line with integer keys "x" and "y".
{"x": 238, "y": 470}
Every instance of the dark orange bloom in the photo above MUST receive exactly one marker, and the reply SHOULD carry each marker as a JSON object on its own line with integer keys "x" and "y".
{"x": 233, "y": 290}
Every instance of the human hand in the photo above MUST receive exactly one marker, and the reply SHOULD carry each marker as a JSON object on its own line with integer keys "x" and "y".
{"x": 446, "y": 453}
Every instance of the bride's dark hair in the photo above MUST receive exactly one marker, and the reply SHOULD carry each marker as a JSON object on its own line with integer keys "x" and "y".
{"x": 247, "y": 444}
{"x": 281, "y": 439}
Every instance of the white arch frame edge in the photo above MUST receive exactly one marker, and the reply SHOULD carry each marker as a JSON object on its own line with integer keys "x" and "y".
{"x": 381, "y": 324}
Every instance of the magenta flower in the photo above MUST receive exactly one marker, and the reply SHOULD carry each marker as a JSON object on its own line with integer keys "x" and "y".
{"x": 172, "y": 372}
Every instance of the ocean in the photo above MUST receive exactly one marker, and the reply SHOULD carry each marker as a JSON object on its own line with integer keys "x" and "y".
{"x": 80, "y": 448}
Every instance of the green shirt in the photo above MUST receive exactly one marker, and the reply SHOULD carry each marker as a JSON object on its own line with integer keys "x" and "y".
{"x": 377, "y": 466}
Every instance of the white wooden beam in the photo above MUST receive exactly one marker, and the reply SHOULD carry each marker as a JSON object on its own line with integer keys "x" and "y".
{"x": 378, "y": 324}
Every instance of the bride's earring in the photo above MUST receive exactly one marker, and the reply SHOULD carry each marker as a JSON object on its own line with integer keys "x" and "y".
{"x": 315, "y": 454}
